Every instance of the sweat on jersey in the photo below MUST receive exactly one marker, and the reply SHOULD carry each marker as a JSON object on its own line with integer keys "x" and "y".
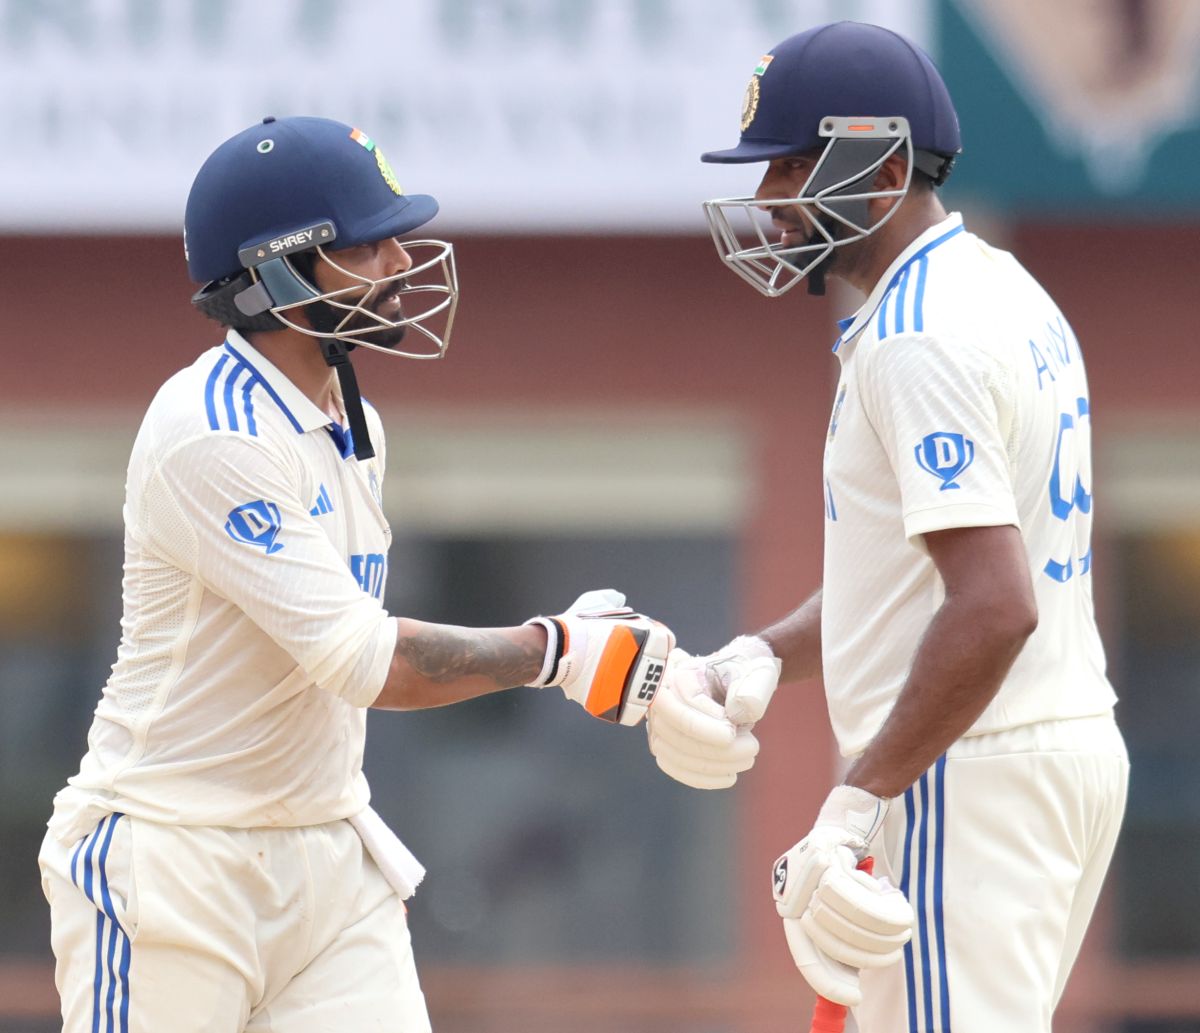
{"x": 253, "y": 634}
{"x": 962, "y": 402}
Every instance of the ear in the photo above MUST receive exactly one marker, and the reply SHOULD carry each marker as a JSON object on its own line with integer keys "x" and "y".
{"x": 892, "y": 173}
{"x": 891, "y": 176}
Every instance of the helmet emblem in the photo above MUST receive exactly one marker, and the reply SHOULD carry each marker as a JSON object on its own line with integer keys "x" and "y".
{"x": 385, "y": 170}
{"x": 750, "y": 101}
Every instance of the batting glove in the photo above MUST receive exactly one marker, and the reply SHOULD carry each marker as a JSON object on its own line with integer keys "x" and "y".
{"x": 692, "y": 734}
{"x": 845, "y": 913}
{"x": 607, "y": 658}
{"x": 831, "y": 979}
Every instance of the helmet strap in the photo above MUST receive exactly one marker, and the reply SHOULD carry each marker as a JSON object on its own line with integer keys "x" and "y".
{"x": 816, "y": 275}
{"x": 337, "y": 357}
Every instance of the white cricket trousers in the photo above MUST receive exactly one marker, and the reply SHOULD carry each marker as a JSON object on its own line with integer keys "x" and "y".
{"x": 159, "y": 928}
{"x": 1001, "y": 847}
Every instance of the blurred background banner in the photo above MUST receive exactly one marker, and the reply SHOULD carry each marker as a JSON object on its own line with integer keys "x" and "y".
{"x": 563, "y": 115}
{"x": 1076, "y": 105}
{"x": 518, "y": 114}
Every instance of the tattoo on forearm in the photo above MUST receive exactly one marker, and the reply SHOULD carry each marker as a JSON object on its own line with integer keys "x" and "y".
{"x": 449, "y": 653}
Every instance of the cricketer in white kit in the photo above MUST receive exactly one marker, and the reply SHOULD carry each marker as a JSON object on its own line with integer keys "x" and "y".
{"x": 215, "y": 865}
{"x": 954, "y": 629}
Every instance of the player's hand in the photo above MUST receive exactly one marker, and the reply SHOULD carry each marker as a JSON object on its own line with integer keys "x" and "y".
{"x": 831, "y": 979}
{"x": 607, "y": 658}
{"x": 847, "y": 914}
{"x": 692, "y": 735}
{"x": 746, "y": 674}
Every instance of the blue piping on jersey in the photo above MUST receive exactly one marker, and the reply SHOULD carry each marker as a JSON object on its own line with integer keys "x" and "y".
{"x": 210, "y": 388}
{"x": 266, "y": 386}
{"x": 248, "y": 405}
{"x": 881, "y": 326}
{"x": 230, "y": 380}
{"x": 918, "y": 306}
{"x": 901, "y": 292}
{"x": 920, "y": 255}
{"x": 227, "y": 395}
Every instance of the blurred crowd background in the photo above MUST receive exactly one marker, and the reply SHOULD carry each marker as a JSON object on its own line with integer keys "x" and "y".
{"x": 616, "y": 409}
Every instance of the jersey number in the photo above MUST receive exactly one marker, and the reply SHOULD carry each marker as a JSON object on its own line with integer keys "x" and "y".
{"x": 1070, "y": 500}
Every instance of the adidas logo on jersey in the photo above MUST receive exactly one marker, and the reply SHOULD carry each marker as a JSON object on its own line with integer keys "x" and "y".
{"x": 323, "y": 505}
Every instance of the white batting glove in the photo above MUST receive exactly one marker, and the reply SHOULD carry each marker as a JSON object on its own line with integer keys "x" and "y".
{"x": 691, "y": 733}
{"x": 831, "y": 979}
{"x": 851, "y": 917}
{"x": 747, "y": 670}
{"x": 607, "y": 658}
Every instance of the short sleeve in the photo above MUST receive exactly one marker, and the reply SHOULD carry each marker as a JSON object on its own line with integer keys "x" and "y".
{"x": 226, "y": 510}
{"x": 941, "y": 409}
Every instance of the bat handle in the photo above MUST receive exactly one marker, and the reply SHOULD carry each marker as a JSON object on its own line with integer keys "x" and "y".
{"x": 829, "y": 1017}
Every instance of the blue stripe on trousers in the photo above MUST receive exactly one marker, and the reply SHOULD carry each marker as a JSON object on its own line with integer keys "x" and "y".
{"x": 99, "y": 971}
{"x": 910, "y": 815}
{"x": 939, "y": 776}
{"x": 106, "y": 913}
{"x": 927, "y": 900}
{"x": 922, "y": 914}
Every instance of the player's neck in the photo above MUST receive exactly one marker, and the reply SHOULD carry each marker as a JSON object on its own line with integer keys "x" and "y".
{"x": 298, "y": 357}
{"x": 917, "y": 214}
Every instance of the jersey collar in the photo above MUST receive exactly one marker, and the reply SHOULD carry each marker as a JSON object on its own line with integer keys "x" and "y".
{"x": 296, "y": 406}
{"x": 933, "y": 237}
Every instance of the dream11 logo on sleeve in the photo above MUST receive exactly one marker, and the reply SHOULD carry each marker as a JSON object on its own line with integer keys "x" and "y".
{"x": 255, "y": 523}
{"x": 945, "y": 455}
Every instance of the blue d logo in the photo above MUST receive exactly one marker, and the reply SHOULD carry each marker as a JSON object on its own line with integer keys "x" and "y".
{"x": 255, "y": 523}
{"x": 946, "y": 456}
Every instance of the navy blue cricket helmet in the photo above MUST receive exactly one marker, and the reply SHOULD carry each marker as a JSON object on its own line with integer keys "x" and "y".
{"x": 291, "y": 187}
{"x": 287, "y": 174}
{"x": 276, "y": 199}
{"x": 857, "y": 94}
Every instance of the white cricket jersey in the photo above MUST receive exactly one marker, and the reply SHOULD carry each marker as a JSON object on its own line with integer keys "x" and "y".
{"x": 962, "y": 402}
{"x": 253, "y": 634}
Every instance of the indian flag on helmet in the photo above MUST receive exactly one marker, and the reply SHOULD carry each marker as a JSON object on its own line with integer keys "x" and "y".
{"x": 385, "y": 170}
{"x": 358, "y": 136}
{"x": 760, "y": 68}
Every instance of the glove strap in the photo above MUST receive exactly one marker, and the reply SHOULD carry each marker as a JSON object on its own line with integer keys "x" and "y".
{"x": 752, "y": 647}
{"x": 859, "y": 812}
{"x": 557, "y": 641}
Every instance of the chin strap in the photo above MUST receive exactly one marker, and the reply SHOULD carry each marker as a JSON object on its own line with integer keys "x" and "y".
{"x": 337, "y": 356}
{"x": 816, "y": 275}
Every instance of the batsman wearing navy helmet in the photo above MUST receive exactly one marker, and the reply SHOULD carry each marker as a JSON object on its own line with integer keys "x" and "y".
{"x": 215, "y": 865}
{"x": 954, "y": 626}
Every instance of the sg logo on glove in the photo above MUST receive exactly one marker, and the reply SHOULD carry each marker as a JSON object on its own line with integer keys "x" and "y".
{"x": 779, "y": 876}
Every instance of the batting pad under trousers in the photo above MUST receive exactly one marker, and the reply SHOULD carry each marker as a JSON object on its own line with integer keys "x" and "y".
{"x": 218, "y": 930}
{"x": 1002, "y": 847}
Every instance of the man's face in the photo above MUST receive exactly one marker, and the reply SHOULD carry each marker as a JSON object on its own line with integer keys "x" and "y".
{"x": 784, "y": 178}
{"x": 374, "y": 261}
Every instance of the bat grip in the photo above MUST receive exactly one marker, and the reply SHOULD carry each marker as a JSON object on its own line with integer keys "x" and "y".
{"x": 829, "y": 1017}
